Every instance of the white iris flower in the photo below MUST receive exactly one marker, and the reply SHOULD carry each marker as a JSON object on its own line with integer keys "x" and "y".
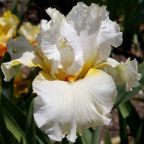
{"x": 76, "y": 88}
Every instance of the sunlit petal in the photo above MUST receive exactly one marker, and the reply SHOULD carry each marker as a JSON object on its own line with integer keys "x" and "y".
{"x": 64, "y": 108}
{"x": 95, "y": 31}
{"x": 47, "y": 40}
{"x": 87, "y": 31}
{"x": 124, "y": 72}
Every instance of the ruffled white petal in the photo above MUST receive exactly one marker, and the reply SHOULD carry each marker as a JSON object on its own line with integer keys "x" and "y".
{"x": 45, "y": 25}
{"x": 72, "y": 40}
{"x": 51, "y": 55}
{"x": 47, "y": 41}
{"x": 21, "y": 52}
{"x": 124, "y": 72}
{"x": 86, "y": 30}
{"x": 63, "y": 109}
{"x": 97, "y": 33}
{"x": 55, "y": 15}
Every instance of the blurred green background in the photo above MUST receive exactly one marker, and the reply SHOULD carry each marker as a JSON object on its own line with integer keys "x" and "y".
{"x": 17, "y": 124}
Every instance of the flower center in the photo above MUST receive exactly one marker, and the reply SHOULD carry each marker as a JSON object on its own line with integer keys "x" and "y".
{"x": 70, "y": 78}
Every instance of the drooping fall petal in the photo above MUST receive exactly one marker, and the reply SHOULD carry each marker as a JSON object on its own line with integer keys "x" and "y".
{"x": 64, "y": 108}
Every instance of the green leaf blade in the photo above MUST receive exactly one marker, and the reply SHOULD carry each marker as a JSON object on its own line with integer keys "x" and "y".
{"x": 107, "y": 138}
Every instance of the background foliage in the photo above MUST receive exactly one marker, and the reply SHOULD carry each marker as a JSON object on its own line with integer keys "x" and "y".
{"x": 17, "y": 124}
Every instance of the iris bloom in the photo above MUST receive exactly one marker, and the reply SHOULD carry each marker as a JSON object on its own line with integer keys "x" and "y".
{"x": 76, "y": 88}
{"x": 8, "y": 24}
{"x": 30, "y": 32}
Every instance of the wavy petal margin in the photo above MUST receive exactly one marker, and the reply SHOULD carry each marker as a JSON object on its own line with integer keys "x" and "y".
{"x": 124, "y": 72}
{"x": 63, "y": 109}
{"x": 89, "y": 33}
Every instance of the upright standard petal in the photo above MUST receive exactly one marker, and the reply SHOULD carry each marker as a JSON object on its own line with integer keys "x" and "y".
{"x": 124, "y": 72}
{"x": 97, "y": 33}
{"x": 87, "y": 31}
{"x": 47, "y": 41}
{"x": 21, "y": 52}
{"x": 73, "y": 106}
